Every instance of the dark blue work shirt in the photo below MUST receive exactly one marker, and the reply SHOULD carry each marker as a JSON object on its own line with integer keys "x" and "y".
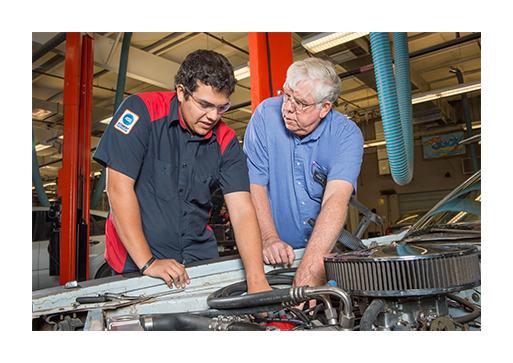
{"x": 175, "y": 174}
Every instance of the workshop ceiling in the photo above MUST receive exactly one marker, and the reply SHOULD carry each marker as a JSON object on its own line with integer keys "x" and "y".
{"x": 154, "y": 58}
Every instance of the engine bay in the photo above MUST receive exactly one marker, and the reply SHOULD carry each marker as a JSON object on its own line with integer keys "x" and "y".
{"x": 410, "y": 288}
{"x": 394, "y": 287}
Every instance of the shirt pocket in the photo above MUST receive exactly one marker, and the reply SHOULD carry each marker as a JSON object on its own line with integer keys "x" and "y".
{"x": 200, "y": 191}
{"x": 315, "y": 179}
{"x": 160, "y": 178}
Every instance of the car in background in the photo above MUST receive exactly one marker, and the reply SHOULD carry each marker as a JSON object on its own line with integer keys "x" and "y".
{"x": 406, "y": 221}
{"x": 44, "y": 220}
{"x": 455, "y": 221}
{"x": 457, "y": 216}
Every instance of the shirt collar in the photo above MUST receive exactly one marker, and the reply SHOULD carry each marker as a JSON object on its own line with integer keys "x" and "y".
{"x": 174, "y": 112}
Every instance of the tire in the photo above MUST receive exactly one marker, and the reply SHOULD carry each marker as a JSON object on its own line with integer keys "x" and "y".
{"x": 104, "y": 271}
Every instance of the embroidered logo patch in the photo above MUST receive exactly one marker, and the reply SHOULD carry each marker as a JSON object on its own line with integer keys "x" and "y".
{"x": 127, "y": 120}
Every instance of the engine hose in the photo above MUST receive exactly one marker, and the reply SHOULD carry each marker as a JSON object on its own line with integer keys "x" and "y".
{"x": 240, "y": 288}
{"x": 370, "y": 314}
{"x": 217, "y": 301}
{"x": 191, "y": 322}
{"x": 229, "y": 297}
{"x": 212, "y": 313}
{"x": 241, "y": 326}
{"x": 476, "y": 311}
{"x": 175, "y": 322}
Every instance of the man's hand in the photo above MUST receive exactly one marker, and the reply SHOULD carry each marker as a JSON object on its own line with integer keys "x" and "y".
{"x": 310, "y": 274}
{"x": 170, "y": 271}
{"x": 276, "y": 252}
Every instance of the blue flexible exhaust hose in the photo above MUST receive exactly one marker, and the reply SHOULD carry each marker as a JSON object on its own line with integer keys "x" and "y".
{"x": 395, "y": 102}
{"x": 403, "y": 82}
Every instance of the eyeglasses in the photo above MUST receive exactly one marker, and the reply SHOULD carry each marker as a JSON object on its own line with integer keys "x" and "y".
{"x": 206, "y": 106}
{"x": 297, "y": 105}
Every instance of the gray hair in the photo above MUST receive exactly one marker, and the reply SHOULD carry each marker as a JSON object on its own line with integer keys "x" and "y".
{"x": 328, "y": 86}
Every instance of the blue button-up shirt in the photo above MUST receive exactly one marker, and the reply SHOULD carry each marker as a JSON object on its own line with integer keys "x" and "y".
{"x": 283, "y": 163}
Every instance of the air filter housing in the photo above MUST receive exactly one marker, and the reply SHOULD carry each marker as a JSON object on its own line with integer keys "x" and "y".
{"x": 406, "y": 270}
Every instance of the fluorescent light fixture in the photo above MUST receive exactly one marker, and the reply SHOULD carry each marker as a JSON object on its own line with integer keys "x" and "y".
{"x": 374, "y": 143}
{"x": 106, "y": 120}
{"x": 242, "y": 72}
{"x": 475, "y": 125}
{"x": 446, "y": 92}
{"x": 43, "y": 145}
{"x": 324, "y": 41}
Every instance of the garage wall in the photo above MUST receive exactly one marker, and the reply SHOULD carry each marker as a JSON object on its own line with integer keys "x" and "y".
{"x": 430, "y": 175}
{"x": 408, "y": 202}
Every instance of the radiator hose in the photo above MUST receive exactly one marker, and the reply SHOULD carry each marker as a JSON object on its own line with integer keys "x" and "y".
{"x": 370, "y": 314}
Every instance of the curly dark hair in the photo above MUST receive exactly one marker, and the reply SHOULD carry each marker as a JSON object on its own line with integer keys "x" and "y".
{"x": 208, "y": 67}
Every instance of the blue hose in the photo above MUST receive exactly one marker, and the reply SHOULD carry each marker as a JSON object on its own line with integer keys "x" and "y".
{"x": 395, "y": 102}
{"x": 403, "y": 81}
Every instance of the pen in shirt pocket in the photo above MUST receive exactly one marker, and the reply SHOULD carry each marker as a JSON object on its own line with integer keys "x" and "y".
{"x": 316, "y": 166}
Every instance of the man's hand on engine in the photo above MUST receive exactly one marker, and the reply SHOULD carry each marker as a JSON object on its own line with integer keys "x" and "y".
{"x": 278, "y": 252}
{"x": 310, "y": 273}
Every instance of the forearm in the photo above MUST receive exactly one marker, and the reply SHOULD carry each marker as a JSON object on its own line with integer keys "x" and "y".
{"x": 124, "y": 208}
{"x": 328, "y": 226}
{"x": 247, "y": 236}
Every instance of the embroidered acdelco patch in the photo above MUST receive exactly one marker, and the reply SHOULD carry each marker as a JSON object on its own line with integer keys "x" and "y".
{"x": 127, "y": 120}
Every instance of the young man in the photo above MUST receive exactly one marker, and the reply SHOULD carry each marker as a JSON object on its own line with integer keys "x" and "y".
{"x": 165, "y": 153}
{"x": 292, "y": 142}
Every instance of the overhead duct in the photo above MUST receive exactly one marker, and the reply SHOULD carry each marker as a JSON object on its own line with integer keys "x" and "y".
{"x": 48, "y": 46}
{"x": 395, "y": 102}
{"x": 36, "y": 177}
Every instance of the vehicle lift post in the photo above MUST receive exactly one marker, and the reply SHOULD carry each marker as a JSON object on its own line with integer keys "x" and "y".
{"x": 74, "y": 177}
{"x": 268, "y": 73}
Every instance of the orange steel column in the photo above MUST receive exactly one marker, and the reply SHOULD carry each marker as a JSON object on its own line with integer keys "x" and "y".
{"x": 84, "y": 157}
{"x": 74, "y": 179}
{"x": 270, "y": 55}
{"x": 69, "y": 171}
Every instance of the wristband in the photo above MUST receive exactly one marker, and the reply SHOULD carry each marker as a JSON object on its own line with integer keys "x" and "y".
{"x": 145, "y": 267}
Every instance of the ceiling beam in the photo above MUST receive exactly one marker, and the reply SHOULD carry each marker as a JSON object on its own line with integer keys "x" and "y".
{"x": 98, "y": 113}
{"x": 142, "y": 65}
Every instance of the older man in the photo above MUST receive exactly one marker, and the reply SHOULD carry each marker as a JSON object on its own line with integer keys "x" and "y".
{"x": 294, "y": 142}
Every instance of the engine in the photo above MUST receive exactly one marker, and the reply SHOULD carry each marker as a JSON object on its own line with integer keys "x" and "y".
{"x": 402, "y": 287}
{"x": 407, "y": 287}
